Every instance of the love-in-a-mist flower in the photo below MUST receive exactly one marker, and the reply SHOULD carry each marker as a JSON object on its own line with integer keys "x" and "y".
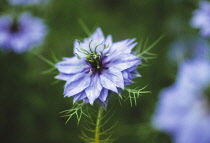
{"x": 27, "y": 2}
{"x": 188, "y": 48}
{"x": 201, "y": 18}
{"x": 196, "y": 126}
{"x": 21, "y": 33}
{"x": 182, "y": 110}
{"x": 98, "y": 68}
{"x": 173, "y": 106}
{"x": 194, "y": 75}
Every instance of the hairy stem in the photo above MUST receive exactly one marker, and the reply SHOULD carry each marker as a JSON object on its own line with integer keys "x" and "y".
{"x": 98, "y": 124}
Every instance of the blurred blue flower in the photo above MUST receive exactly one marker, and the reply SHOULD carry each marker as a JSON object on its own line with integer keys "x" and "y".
{"x": 194, "y": 74}
{"x": 99, "y": 68}
{"x": 201, "y": 18}
{"x": 172, "y": 109}
{"x": 21, "y": 33}
{"x": 196, "y": 126}
{"x": 182, "y": 110}
{"x": 27, "y": 2}
{"x": 188, "y": 47}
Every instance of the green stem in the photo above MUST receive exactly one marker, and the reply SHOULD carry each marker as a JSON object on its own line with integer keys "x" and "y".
{"x": 98, "y": 124}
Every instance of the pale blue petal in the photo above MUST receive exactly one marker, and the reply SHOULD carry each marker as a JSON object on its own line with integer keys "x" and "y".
{"x": 132, "y": 73}
{"x": 135, "y": 74}
{"x": 123, "y": 46}
{"x": 130, "y": 41}
{"x": 107, "y": 44}
{"x": 94, "y": 90}
{"x": 126, "y": 78}
{"x": 107, "y": 83}
{"x": 123, "y": 61}
{"x": 98, "y": 36}
{"x": 108, "y": 40}
{"x": 77, "y": 85}
{"x": 115, "y": 76}
{"x": 79, "y": 96}
{"x": 73, "y": 66}
{"x": 63, "y": 76}
{"x": 103, "y": 95}
{"x": 130, "y": 45}
{"x": 118, "y": 46}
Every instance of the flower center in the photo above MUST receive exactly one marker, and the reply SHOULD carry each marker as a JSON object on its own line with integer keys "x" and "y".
{"x": 93, "y": 57}
{"x": 94, "y": 60}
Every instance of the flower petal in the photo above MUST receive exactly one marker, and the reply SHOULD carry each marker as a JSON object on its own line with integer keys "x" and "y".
{"x": 107, "y": 83}
{"x": 115, "y": 76}
{"x": 63, "y": 76}
{"x": 126, "y": 46}
{"x": 72, "y": 66}
{"x": 103, "y": 95}
{"x": 77, "y": 84}
{"x": 94, "y": 90}
{"x": 122, "y": 61}
{"x": 79, "y": 96}
{"x": 108, "y": 40}
{"x": 127, "y": 80}
{"x": 98, "y": 36}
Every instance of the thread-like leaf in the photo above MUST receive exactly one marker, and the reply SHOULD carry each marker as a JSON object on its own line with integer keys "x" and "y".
{"x": 90, "y": 129}
{"x": 143, "y": 51}
{"x": 134, "y": 94}
{"x": 77, "y": 110}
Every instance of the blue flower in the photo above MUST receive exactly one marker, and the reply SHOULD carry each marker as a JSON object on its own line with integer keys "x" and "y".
{"x": 194, "y": 74}
{"x": 27, "y": 2}
{"x": 196, "y": 126}
{"x": 172, "y": 109}
{"x": 182, "y": 110}
{"x": 188, "y": 47}
{"x": 22, "y": 33}
{"x": 201, "y": 18}
{"x": 98, "y": 68}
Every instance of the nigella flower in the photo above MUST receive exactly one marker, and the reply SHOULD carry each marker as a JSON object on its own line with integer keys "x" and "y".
{"x": 188, "y": 47}
{"x": 194, "y": 74}
{"x": 21, "y": 33}
{"x": 201, "y": 18}
{"x": 182, "y": 110}
{"x": 27, "y": 2}
{"x": 196, "y": 126}
{"x": 98, "y": 68}
{"x": 173, "y": 106}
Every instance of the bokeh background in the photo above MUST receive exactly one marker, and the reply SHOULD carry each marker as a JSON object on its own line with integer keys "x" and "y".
{"x": 30, "y": 101}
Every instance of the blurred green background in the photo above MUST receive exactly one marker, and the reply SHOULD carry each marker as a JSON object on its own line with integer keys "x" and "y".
{"x": 30, "y": 101}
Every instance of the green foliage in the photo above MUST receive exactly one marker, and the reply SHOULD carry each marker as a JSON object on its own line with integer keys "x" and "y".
{"x": 134, "y": 94}
{"x": 79, "y": 109}
{"x": 144, "y": 51}
{"x": 49, "y": 62}
{"x": 84, "y": 27}
{"x": 95, "y": 128}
